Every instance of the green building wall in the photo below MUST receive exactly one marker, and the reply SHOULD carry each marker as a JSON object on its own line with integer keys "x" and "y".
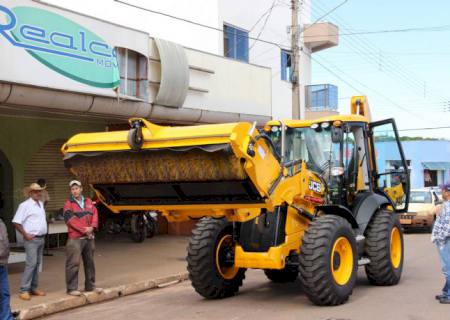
{"x": 20, "y": 138}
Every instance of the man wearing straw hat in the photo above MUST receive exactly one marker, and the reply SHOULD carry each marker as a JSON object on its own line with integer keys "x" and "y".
{"x": 31, "y": 222}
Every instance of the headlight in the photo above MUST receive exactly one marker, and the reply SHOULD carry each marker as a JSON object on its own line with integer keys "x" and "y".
{"x": 325, "y": 125}
{"x": 337, "y": 171}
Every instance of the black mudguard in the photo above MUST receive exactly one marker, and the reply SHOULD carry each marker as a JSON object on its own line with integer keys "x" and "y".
{"x": 366, "y": 205}
{"x": 340, "y": 211}
{"x": 265, "y": 231}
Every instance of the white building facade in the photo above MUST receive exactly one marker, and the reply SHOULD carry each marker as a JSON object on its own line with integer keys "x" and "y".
{"x": 76, "y": 66}
{"x": 266, "y": 20}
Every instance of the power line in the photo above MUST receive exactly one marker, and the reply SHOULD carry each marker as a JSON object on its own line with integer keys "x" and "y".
{"x": 263, "y": 41}
{"x": 363, "y": 43}
{"x": 264, "y": 24}
{"x": 323, "y": 16}
{"x": 364, "y": 85}
{"x": 393, "y": 69}
{"x": 268, "y": 11}
{"x": 191, "y": 21}
{"x": 332, "y": 72}
{"x": 396, "y": 53}
{"x": 429, "y": 128}
{"x": 419, "y": 29}
{"x": 396, "y": 67}
{"x": 359, "y": 45}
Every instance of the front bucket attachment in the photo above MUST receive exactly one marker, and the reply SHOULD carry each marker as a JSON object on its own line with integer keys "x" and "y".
{"x": 175, "y": 166}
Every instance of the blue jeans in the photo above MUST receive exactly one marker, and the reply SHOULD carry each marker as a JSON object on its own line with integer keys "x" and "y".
{"x": 444, "y": 254}
{"x": 30, "y": 277}
{"x": 5, "y": 309}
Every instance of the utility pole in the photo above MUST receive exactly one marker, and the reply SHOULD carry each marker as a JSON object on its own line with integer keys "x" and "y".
{"x": 295, "y": 57}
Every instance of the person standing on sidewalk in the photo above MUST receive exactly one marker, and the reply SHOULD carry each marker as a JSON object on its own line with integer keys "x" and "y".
{"x": 31, "y": 222}
{"x": 441, "y": 237}
{"x": 81, "y": 218}
{"x": 5, "y": 308}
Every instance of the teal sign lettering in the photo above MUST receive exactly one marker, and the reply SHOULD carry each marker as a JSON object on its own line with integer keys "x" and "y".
{"x": 62, "y": 45}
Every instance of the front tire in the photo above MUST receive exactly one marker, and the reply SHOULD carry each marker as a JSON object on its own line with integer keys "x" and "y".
{"x": 328, "y": 261}
{"x": 384, "y": 248}
{"x": 138, "y": 228}
{"x": 210, "y": 250}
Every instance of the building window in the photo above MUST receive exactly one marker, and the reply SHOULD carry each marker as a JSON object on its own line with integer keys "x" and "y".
{"x": 133, "y": 73}
{"x": 286, "y": 66}
{"x": 235, "y": 43}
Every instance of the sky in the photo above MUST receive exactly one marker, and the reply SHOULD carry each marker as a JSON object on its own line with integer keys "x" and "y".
{"x": 406, "y": 75}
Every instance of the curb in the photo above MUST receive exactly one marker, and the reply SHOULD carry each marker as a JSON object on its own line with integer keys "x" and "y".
{"x": 70, "y": 302}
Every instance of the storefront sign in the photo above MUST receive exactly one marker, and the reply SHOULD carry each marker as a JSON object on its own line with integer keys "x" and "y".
{"x": 62, "y": 45}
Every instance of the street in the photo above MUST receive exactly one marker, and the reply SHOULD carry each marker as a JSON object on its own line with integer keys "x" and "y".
{"x": 259, "y": 299}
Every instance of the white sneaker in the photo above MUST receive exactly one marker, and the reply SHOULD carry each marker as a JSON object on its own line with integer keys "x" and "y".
{"x": 75, "y": 293}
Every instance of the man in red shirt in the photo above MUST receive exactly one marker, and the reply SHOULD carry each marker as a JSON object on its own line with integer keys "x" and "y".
{"x": 81, "y": 218}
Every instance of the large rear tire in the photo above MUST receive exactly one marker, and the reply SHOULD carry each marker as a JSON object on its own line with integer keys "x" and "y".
{"x": 328, "y": 261}
{"x": 384, "y": 248}
{"x": 288, "y": 274}
{"x": 211, "y": 272}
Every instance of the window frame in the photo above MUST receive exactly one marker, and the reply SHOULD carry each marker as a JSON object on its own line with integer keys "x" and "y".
{"x": 375, "y": 174}
{"x": 140, "y": 76}
{"x": 284, "y": 69}
{"x": 226, "y": 33}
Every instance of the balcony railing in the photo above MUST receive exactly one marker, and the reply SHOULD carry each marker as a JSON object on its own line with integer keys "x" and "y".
{"x": 321, "y": 97}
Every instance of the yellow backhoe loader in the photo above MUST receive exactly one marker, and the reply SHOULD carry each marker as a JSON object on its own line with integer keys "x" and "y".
{"x": 298, "y": 199}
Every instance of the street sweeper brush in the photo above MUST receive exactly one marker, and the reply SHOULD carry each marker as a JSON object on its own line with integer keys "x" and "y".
{"x": 153, "y": 165}
{"x": 158, "y": 166}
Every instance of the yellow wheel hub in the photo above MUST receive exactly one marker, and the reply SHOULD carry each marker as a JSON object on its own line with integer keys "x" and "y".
{"x": 225, "y": 246}
{"x": 396, "y": 247}
{"x": 342, "y": 261}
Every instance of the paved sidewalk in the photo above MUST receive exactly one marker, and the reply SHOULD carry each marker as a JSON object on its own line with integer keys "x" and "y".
{"x": 118, "y": 261}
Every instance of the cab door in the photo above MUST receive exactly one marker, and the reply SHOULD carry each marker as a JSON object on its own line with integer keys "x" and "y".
{"x": 390, "y": 172}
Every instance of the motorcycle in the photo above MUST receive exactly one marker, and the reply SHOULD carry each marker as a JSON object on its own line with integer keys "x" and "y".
{"x": 139, "y": 224}
{"x": 143, "y": 225}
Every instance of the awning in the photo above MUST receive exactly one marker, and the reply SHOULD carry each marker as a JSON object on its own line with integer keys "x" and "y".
{"x": 436, "y": 165}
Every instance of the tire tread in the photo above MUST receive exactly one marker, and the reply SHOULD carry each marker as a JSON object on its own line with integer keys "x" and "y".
{"x": 377, "y": 247}
{"x": 201, "y": 264}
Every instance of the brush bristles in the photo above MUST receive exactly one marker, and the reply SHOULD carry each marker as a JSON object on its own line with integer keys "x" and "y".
{"x": 160, "y": 166}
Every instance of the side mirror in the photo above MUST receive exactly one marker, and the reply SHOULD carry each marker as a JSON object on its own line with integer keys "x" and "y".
{"x": 337, "y": 134}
